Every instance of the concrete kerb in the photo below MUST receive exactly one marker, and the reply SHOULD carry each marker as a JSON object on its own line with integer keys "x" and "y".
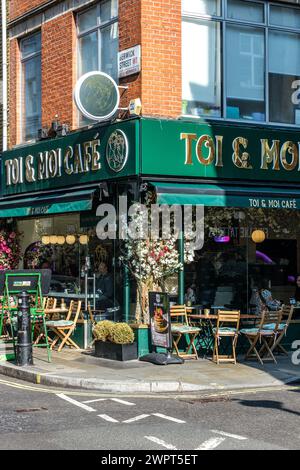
{"x": 128, "y": 386}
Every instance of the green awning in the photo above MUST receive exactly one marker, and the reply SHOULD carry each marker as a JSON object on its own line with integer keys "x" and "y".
{"x": 75, "y": 201}
{"x": 222, "y": 195}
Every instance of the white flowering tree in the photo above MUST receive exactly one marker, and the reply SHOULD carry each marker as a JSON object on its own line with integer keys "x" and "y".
{"x": 151, "y": 262}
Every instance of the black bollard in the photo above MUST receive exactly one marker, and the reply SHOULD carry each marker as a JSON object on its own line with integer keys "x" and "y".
{"x": 24, "y": 341}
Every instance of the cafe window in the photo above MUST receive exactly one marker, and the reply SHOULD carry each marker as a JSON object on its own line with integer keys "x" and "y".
{"x": 30, "y": 49}
{"x": 241, "y": 61}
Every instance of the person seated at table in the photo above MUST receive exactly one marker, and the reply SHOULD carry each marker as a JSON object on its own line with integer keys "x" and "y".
{"x": 267, "y": 298}
{"x": 297, "y": 291}
{"x": 190, "y": 296}
{"x": 104, "y": 287}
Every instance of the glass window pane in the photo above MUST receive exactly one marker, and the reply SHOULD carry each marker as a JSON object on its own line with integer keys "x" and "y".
{"x": 30, "y": 45}
{"x": 201, "y": 92}
{"x": 88, "y": 47}
{"x": 247, "y": 11}
{"x": 108, "y": 10}
{"x": 282, "y": 16}
{"x": 31, "y": 102}
{"x": 109, "y": 50}
{"x": 284, "y": 70}
{"x": 245, "y": 68}
{"x": 202, "y": 7}
{"x": 88, "y": 20}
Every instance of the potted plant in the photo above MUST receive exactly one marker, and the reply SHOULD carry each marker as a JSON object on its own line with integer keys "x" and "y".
{"x": 114, "y": 341}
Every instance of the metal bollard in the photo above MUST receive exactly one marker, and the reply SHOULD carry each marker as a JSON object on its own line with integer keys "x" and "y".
{"x": 24, "y": 341}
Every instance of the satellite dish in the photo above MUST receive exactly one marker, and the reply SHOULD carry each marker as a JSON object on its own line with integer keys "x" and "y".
{"x": 97, "y": 96}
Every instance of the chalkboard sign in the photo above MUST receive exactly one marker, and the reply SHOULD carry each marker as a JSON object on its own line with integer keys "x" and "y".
{"x": 160, "y": 320}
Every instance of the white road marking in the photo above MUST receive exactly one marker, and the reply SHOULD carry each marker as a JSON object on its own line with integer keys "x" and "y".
{"x": 160, "y": 442}
{"x": 94, "y": 401}
{"x": 211, "y": 443}
{"x": 108, "y": 418}
{"x": 136, "y": 418}
{"x": 75, "y": 402}
{"x": 123, "y": 402}
{"x": 170, "y": 418}
{"x": 227, "y": 434}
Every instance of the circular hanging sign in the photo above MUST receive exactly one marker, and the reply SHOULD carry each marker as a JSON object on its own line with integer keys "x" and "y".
{"x": 117, "y": 151}
{"x": 97, "y": 96}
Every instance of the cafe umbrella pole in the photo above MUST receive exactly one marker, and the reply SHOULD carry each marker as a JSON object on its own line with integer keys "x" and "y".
{"x": 24, "y": 340}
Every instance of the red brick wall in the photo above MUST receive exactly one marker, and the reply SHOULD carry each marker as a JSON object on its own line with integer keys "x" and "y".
{"x": 161, "y": 57}
{"x": 19, "y": 7}
{"x": 59, "y": 70}
{"x": 14, "y": 94}
{"x": 130, "y": 35}
{"x": 155, "y": 24}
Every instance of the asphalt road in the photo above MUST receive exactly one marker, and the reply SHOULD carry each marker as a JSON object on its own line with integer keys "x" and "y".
{"x": 35, "y": 417}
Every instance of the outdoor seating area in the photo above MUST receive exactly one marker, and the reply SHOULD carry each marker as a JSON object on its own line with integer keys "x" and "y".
{"x": 206, "y": 333}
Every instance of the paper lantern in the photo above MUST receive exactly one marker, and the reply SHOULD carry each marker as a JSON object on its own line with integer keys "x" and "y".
{"x": 83, "y": 239}
{"x": 53, "y": 239}
{"x": 61, "y": 240}
{"x": 258, "y": 236}
{"x": 70, "y": 239}
{"x": 45, "y": 240}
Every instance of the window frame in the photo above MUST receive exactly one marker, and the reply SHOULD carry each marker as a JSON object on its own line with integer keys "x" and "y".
{"x": 23, "y": 61}
{"x": 267, "y": 27}
{"x": 98, "y": 29}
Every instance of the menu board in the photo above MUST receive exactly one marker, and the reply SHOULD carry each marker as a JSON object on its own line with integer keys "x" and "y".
{"x": 160, "y": 320}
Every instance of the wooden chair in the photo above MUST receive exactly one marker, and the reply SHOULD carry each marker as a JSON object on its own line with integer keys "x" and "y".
{"x": 227, "y": 326}
{"x": 287, "y": 314}
{"x": 50, "y": 303}
{"x": 265, "y": 335}
{"x": 182, "y": 328}
{"x": 63, "y": 329}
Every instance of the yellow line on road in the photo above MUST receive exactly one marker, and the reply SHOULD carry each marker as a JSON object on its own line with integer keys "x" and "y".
{"x": 195, "y": 396}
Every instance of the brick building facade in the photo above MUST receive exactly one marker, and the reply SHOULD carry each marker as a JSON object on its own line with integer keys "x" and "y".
{"x": 156, "y": 27}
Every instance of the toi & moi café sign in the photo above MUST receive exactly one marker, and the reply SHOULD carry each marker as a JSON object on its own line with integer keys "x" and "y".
{"x": 224, "y": 151}
{"x": 101, "y": 153}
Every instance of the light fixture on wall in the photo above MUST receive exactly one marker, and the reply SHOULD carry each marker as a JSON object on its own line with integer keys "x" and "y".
{"x": 83, "y": 239}
{"x": 61, "y": 240}
{"x": 53, "y": 239}
{"x": 45, "y": 240}
{"x": 70, "y": 239}
{"x": 258, "y": 236}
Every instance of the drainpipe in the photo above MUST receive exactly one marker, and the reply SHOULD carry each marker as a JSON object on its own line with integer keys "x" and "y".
{"x": 4, "y": 73}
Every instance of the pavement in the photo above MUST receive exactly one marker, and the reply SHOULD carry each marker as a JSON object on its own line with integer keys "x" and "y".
{"x": 81, "y": 370}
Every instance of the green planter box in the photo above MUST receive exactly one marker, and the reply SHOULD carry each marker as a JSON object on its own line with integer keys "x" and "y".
{"x": 83, "y": 334}
{"x": 142, "y": 337}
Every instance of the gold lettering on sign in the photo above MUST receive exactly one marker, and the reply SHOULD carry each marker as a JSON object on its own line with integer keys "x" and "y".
{"x": 208, "y": 142}
{"x": 219, "y": 151}
{"x": 269, "y": 155}
{"x": 87, "y": 157}
{"x": 96, "y": 164}
{"x": 78, "y": 166}
{"x": 29, "y": 170}
{"x": 188, "y": 146}
{"x": 8, "y": 166}
{"x": 241, "y": 160}
{"x": 53, "y": 164}
{"x": 291, "y": 148}
{"x": 67, "y": 164}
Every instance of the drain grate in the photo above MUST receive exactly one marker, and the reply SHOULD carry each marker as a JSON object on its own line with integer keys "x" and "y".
{"x": 31, "y": 410}
{"x": 205, "y": 400}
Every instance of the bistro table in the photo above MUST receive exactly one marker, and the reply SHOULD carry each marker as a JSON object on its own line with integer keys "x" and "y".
{"x": 206, "y": 337}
